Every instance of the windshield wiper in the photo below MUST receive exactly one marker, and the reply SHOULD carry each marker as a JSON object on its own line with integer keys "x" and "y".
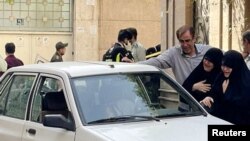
{"x": 180, "y": 114}
{"x": 146, "y": 117}
{"x": 123, "y": 118}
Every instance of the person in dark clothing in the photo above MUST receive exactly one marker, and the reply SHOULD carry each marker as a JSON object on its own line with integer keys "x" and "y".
{"x": 11, "y": 60}
{"x": 119, "y": 50}
{"x": 153, "y": 51}
{"x": 60, "y": 51}
{"x": 199, "y": 82}
{"x": 230, "y": 95}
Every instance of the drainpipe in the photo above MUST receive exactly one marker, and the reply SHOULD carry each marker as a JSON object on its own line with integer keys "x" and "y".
{"x": 221, "y": 25}
{"x": 230, "y": 26}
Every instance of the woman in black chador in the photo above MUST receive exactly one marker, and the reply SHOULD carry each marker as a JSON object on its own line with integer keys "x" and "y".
{"x": 230, "y": 94}
{"x": 199, "y": 82}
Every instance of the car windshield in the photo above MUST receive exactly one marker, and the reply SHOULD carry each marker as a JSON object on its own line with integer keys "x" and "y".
{"x": 130, "y": 97}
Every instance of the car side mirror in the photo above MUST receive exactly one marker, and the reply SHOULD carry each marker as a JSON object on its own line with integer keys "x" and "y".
{"x": 59, "y": 121}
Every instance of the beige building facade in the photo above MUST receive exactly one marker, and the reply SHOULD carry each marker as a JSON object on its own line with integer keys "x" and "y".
{"x": 219, "y": 23}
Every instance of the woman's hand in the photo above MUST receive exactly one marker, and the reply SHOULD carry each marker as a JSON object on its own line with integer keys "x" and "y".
{"x": 208, "y": 101}
{"x": 201, "y": 86}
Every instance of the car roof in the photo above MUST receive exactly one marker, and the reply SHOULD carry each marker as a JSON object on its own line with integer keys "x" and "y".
{"x": 75, "y": 69}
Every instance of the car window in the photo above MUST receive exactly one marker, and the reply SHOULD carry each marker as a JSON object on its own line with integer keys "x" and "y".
{"x": 14, "y": 97}
{"x": 4, "y": 81}
{"x": 146, "y": 94}
{"x": 46, "y": 86}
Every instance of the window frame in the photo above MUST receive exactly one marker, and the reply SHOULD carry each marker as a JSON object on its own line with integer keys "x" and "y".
{"x": 9, "y": 82}
{"x": 36, "y": 91}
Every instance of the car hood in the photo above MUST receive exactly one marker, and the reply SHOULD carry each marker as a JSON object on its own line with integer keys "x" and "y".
{"x": 178, "y": 129}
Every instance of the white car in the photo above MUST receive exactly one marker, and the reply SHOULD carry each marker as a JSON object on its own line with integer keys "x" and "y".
{"x": 97, "y": 101}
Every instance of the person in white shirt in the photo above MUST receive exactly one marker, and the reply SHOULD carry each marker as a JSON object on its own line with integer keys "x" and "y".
{"x": 137, "y": 49}
{"x": 3, "y": 65}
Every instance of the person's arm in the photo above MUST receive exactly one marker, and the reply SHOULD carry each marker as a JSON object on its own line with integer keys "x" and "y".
{"x": 126, "y": 59}
{"x": 215, "y": 93}
{"x": 162, "y": 61}
{"x": 119, "y": 54}
{"x": 196, "y": 81}
{"x": 21, "y": 62}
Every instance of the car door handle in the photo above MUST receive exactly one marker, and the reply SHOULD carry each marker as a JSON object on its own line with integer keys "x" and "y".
{"x": 31, "y": 131}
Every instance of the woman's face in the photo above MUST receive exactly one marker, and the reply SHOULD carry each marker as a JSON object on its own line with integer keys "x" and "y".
{"x": 207, "y": 65}
{"x": 226, "y": 70}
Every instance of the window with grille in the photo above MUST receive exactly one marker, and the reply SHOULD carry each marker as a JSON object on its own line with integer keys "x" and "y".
{"x": 36, "y": 15}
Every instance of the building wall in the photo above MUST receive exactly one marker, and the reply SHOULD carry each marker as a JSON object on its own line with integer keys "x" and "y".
{"x": 95, "y": 27}
{"x": 35, "y": 27}
{"x": 97, "y": 24}
{"x": 32, "y": 46}
{"x": 86, "y": 30}
{"x": 227, "y": 23}
{"x": 174, "y": 14}
{"x": 247, "y": 14}
{"x": 220, "y": 22}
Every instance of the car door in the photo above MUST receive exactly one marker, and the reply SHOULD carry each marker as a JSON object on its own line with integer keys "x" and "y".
{"x": 14, "y": 96}
{"x": 34, "y": 130}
